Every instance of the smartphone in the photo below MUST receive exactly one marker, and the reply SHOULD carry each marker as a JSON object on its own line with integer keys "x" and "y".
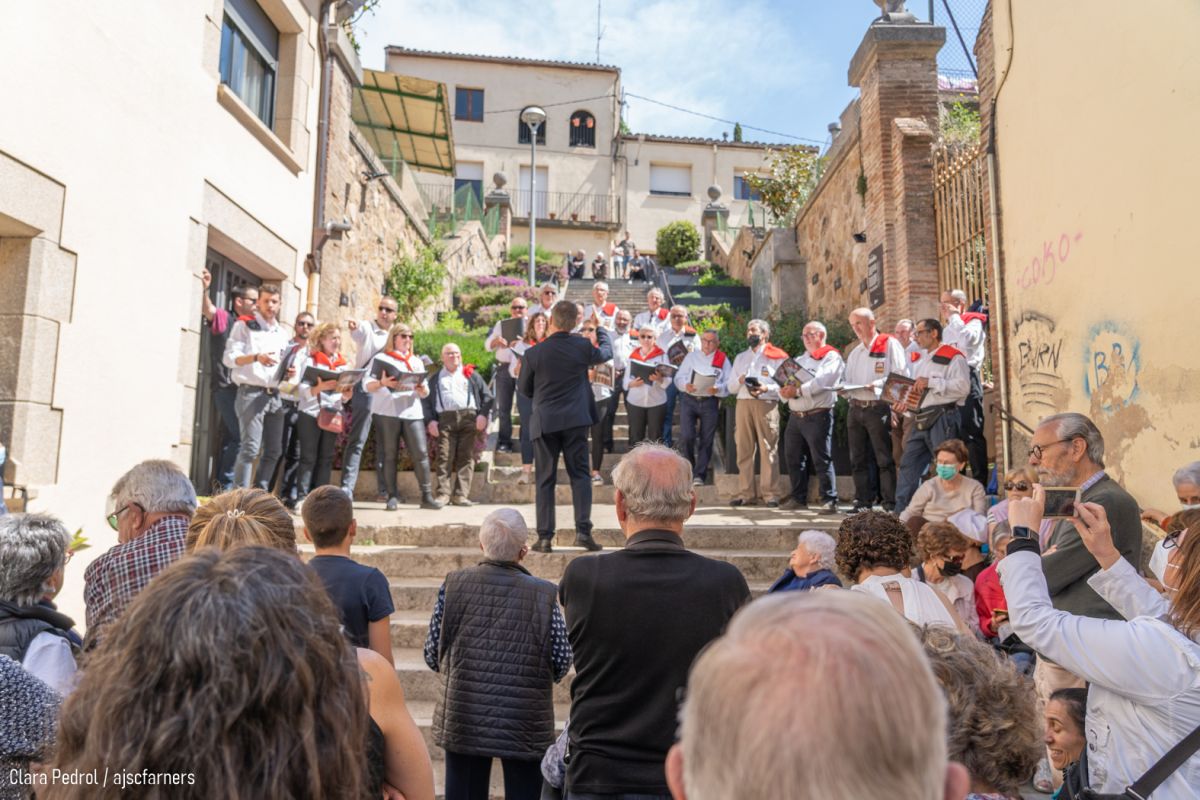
{"x": 1060, "y": 501}
{"x": 753, "y": 382}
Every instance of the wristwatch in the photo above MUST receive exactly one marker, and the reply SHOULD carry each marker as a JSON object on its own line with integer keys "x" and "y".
{"x": 1021, "y": 532}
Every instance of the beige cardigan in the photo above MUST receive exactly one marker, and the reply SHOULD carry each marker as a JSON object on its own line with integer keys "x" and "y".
{"x": 935, "y": 502}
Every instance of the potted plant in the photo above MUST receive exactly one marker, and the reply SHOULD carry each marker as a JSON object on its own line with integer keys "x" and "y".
{"x": 574, "y": 217}
{"x": 553, "y": 215}
{"x": 593, "y": 218}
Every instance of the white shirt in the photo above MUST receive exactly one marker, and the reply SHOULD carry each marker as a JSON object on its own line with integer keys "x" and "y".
{"x": 696, "y": 361}
{"x": 1144, "y": 675}
{"x": 49, "y": 658}
{"x": 921, "y": 603}
{"x": 309, "y": 403}
{"x": 269, "y": 338}
{"x": 968, "y": 337}
{"x": 454, "y": 391}
{"x": 648, "y": 395}
{"x": 820, "y": 392}
{"x": 756, "y": 364}
{"x": 659, "y": 320}
{"x": 369, "y": 340}
{"x": 670, "y": 336}
{"x": 503, "y": 354}
{"x": 864, "y": 367}
{"x": 949, "y": 378}
{"x": 606, "y": 320}
{"x": 912, "y": 354}
{"x": 622, "y": 346}
{"x": 388, "y": 403}
{"x": 960, "y": 591}
{"x": 538, "y": 308}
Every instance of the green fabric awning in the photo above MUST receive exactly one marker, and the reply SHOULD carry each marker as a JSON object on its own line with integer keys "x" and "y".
{"x": 407, "y": 119}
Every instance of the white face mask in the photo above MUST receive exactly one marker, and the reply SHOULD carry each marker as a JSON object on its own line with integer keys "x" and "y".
{"x": 1190, "y": 506}
{"x": 1158, "y": 562}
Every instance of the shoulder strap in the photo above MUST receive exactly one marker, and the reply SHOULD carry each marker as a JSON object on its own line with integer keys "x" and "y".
{"x": 958, "y": 623}
{"x": 1174, "y": 758}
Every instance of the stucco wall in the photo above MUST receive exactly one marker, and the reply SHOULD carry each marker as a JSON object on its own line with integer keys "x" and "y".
{"x": 1099, "y": 281}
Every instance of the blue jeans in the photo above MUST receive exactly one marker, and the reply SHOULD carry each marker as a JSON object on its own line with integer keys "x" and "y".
{"x": 695, "y": 446}
{"x": 918, "y": 454}
{"x": 356, "y": 439}
{"x": 672, "y": 396}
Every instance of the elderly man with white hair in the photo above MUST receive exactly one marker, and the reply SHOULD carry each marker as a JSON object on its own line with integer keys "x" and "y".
{"x": 34, "y": 549}
{"x": 152, "y": 505}
{"x": 604, "y": 311}
{"x": 744, "y": 734}
{"x": 869, "y": 421}
{"x": 965, "y": 330}
{"x": 656, "y": 314}
{"x": 1187, "y": 488}
{"x": 500, "y": 643}
{"x": 809, "y": 434}
{"x": 637, "y": 618}
{"x": 810, "y": 565}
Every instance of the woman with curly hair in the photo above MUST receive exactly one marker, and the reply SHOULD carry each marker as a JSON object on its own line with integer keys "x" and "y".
{"x": 873, "y": 550}
{"x": 941, "y": 549}
{"x": 995, "y": 730}
{"x": 242, "y": 517}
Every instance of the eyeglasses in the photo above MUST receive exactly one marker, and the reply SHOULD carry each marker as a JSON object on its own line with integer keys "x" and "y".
{"x": 1038, "y": 450}
{"x": 646, "y": 336}
{"x": 404, "y": 335}
{"x": 386, "y": 310}
{"x": 679, "y": 316}
{"x": 114, "y": 517}
{"x": 305, "y": 324}
{"x": 1020, "y": 486}
{"x": 549, "y": 292}
{"x": 589, "y": 330}
{"x": 811, "y": 335}
{"x": 709, "y": 340}
{"x": 1172, "y": 539}
{"x": 519, "y": 308}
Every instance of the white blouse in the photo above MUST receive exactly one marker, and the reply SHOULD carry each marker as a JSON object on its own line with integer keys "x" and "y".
{"x": 921, "y": 605}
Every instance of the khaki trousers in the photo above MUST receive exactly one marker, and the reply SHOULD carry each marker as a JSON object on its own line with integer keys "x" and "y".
{"x": 756, "y": 425}
{"x": 1048, "y": 678}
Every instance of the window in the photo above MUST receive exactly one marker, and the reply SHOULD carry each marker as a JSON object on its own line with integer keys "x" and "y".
{"x": 468, "y": 104}
{"x": 468, "y": 174}
{"x": 523, "y": 132}
{"x": 583, "y": 129}
{"x": 670, "y": 180}
{"x": 250, "y": 56}
{"x": 742, "y": 190}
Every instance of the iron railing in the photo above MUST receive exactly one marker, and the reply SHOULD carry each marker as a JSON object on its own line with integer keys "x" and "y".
{"x": 568, "y": 206}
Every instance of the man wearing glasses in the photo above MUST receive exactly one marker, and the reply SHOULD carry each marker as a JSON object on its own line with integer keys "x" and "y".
{"x": 506, "y": 384}
{"x": 370, "y": 339}
{"x": 699, "y": 407}
{"x": 220, "y": 321}
{"x": 152, "y": 506}
{"x": 547, "y": 296}
{"x": 809, "y": 434}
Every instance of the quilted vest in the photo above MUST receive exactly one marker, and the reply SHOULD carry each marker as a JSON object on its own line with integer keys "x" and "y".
{"x": 19, "y": 625}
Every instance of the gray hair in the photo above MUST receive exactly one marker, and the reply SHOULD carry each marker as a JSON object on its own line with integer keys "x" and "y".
{"x": 959, "y": 295}
{"x": 599, "y": 284}
{"x": 656, "y": 483}
{"x": 1072, "y": 425}
{"x": 549, "y": 285}
{"x": 1188, "y": 473}
{"x": 741, "y": 738}
{"x": 907, "y": 323}
{"x": 821, "y": 545}
{"x": 818, "y": 325}
{"x": 32, "y": 548}
{"x": 158, "y": 486}
{"x": 863, "y": 312}
{"x": 656, "y": 291}
{"x": 762, "y": 325}
{"x": 678, "y": 307}
{"x": 503, "y": 534}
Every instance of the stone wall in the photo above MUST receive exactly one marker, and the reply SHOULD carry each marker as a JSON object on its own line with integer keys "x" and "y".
{"x": 777, "y": 275}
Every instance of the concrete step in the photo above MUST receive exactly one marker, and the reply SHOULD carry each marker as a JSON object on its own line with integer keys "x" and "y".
{"x": 423, "y": 685}
{"x": 769, "y": 538}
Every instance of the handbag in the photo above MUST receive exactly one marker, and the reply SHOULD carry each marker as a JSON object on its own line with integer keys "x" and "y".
{"x": 331, "y": 420}
{"x": 1144, "y": 786}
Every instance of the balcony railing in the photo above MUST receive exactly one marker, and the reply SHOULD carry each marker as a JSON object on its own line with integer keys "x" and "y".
{"x": 568, "y": 206}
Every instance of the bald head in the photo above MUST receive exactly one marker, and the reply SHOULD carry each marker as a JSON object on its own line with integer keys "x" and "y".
{"x": 653, "y": 489}
{"x": 862, "y": 320}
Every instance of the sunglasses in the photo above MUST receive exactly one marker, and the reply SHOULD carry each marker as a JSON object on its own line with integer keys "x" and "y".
{"x": 1020, "y": 486}
{"x": 305, "y": 324}
{"x": 404, "y": 335}
{"x": 589, "y": 330}
{"x": 114, "y": 517}
{"x": 386, "y": 310}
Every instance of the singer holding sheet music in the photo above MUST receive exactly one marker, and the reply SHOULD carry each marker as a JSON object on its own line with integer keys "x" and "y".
{"x": 699, "y": 403}
{"x": 602, "y": 377}
{"x": 317, "y": 443}
{"x": 397, "y": 411}
{"x": 646, "y": 394}
{"x": 506, "y": 382}
{"x": 808, "y": 439}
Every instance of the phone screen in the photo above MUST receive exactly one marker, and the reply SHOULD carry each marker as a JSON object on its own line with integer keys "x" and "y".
{"x": 1060, "y": 501}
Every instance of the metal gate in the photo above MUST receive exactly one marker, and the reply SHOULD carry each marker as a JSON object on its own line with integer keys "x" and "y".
{"x": 960, "y": 206}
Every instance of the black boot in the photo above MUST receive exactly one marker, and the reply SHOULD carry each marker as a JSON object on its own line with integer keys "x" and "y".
{"x": 428, "y": 501}
{"x": 586, "y": 541}
{"x": 542, "y": 545}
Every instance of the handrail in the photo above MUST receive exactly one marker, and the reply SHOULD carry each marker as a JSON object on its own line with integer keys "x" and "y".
{"x": 1007, "y": 416}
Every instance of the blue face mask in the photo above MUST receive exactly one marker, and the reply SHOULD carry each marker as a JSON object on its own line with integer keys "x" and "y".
{"x": 946, "y": 471}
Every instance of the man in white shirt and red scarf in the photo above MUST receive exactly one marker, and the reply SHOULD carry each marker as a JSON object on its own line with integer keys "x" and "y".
{"x": 456, "y": 409}
{"x": 809, "y": 434}
{"x": 678, "y": 331}
{"x": 506, "y": 384}
{"x": 604, "y": 311}
{"x": 698, "y": 409}
{"x": 964, "y": 330}
{"x": 757, "y": 415}
{"x": 370, "y": 339}
{"x": 902, "y": 425}
{"x": 655, "y": 314}
{"x": 943, "y": 377}
{"x": 868, "y": 424}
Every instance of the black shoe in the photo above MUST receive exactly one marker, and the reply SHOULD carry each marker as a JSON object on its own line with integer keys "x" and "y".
{"x": 831, "y": 507}
{"x": 586, "y": 541}
{"x": 737, "y": 502}
{"x": 792, "y": 504}
{"x": 542, "y": 545}
{"x": 859, "y": 508}
{"x": 427, "y": 501}
{"x": 772, "y": 504}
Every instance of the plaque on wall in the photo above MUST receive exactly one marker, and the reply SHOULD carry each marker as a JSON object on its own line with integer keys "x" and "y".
{"x": 875, "y": 277}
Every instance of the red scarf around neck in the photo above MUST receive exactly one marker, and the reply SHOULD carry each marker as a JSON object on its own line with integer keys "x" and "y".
{"x": 337, "y": 362}
{"x": 636, "y": 355}
{"x": 392, "y": 354}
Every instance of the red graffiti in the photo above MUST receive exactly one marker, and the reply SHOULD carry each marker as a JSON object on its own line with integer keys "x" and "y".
{"x": 1043, "y": 269}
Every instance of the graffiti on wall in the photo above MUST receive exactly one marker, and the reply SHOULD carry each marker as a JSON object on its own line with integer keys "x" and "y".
{"x": 1112, "y": 361}
{"x": 1044, "y": 267}
{"x": 1038, "y": 346}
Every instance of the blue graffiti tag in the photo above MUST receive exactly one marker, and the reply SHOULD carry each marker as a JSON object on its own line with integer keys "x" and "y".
{"x": 1113, "y": 360}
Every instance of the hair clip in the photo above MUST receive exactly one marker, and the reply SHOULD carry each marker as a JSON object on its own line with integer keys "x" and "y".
{"x": 234, "y": 513}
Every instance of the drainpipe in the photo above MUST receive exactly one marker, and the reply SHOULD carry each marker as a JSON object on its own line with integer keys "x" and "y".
{"x": 999, "y": 330}
{"x": 319, "y": 232}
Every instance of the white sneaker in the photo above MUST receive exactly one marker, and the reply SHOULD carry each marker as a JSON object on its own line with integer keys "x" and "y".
{"x": 597, "y": 480}
{"x": 525, "y": 479}
{"x": 697, "y": 481}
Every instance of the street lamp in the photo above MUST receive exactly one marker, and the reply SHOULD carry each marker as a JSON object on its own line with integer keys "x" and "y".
{"x": 533, "y": 116}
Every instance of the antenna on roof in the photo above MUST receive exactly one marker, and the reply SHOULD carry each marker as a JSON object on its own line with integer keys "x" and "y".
{"x": 599, "y": 31}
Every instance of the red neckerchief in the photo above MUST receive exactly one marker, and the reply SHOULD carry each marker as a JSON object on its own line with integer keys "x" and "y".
{"x": 971, "y": 316}
{"x": 609, "y": 309}
{"x": 392, "y": 354}
{"x": 246, "y": 318}
{"x": 468, "y": 370}
{"x": 661, "y": 313}
{"x": 948, "y": 351}
{"x": 718, "y": 359}
{"x": 337, "y": 362}
{"x": 772, "y": 352}
{"x": 914, "y": 356}
{"x": 879, "y": 343}
{"x": 823, "y": 351}
{"x": 637, "y": 354}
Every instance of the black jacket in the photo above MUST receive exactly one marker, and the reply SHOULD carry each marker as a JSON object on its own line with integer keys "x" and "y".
{"x": 636, "y": 619}
{"x": 19, "y": 625}
{"x": 554, "y": 376}
{"x": 475, "y": 387}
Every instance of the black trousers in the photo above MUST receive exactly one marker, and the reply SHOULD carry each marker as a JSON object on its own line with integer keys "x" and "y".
{"x": 468, "y": 777}
{"x": 697, "y": 446}
{"x": 808, "y": 445}
{"x": 572, "y": 444}
{"x": 288, "y": 471}
{"x": 971, "y": 428}
{"x": 645, "y": 424}
{"x": 506, "y": 386}
{"x": 316, "y": 454}
{"x": 605, "y": 409}
{"x": 618, "y": 393}
{"x": 871, "y": 427}
{"x": 225, "y": 399}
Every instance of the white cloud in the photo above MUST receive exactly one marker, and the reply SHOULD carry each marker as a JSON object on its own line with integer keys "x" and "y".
{"x": 726, "y": 60}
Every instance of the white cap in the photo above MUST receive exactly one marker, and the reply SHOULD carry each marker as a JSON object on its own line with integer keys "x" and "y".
{"x": 971, "y": 524}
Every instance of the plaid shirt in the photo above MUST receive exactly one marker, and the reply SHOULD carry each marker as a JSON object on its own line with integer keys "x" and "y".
{"x": 115, "y": 578}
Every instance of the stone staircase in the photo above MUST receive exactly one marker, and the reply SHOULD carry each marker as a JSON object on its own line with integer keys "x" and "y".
{"x": 629, "y": 296}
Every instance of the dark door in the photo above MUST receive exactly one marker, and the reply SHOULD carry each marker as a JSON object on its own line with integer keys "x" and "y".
{"x": 206, "y": 429}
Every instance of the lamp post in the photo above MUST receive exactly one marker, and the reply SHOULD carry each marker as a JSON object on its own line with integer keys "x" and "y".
{"x": 533, "y": 117}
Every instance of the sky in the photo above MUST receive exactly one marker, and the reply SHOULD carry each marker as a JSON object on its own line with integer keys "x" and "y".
{"x": 778, "y": 65}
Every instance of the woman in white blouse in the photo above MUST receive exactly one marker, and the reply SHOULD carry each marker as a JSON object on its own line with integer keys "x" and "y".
{"x": 1143, "y": 674}
{"x": 317, "y": 444}
{"x": 604, "y": 397}
{"x": 646, "y": 401}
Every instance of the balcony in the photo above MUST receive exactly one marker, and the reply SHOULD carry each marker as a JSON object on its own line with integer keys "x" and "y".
{"x": 569, "y": 209}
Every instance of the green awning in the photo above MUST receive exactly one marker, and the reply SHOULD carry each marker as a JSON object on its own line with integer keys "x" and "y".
{"x": 407, "y": 119}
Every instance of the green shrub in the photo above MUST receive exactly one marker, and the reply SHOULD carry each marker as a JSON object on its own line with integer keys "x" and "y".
{"x": 520, "y": 252}
{"x": 715, "y": 277}
{"x": 677, "y": 242}
{"x": 413, "y": 280}
{"x": 470, "y": 341}
{"x": 686, "y": 296}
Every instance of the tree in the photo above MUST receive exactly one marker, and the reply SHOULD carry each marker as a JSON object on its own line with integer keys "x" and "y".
{"x": 677, "y": 242}
{"x": 792, "y": 174}
{"x": 737, "y": 131}
{"x": 414, "y": 280}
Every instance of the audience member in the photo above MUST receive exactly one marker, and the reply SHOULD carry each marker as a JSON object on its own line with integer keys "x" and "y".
{"x": 34, "y": 549}
{"x": 1065, "y": 738}
{"x": 623, "y": 252}
{"x": 757, "y": 416}
{"x": 1140, "y": 663}
{"x": 535, "y": 332}
{"x": 646, "y": 398}
{"x": 506, "y": 383}
{"x": 973, "y": 526}
{"x": 743, "y": 735}
{"x": 241, "y": 517}
{"x": 868, "y": 423}
{"x": 599, "y": 267}
{"x": 873, "y": 550}
{"x": 699, "y": 409}
{"x": 361, "y": 594}
{"x": 940, "y": 549}
{"x": 1018, "y": 482}
{"x": 498, "y": 639}
{"x": 456, "y": 409}
{"x": 636, "y": 619}
{"x": 991, "y": 609}
{"x": 810, "y": 565}
{"x": 678, "y": 331}
{"x": 370, "y": 338}
{"x": 995, "y": 731}
{"x": 948, "y": 492}
{"x": 809, "y": 433}
{"x": 321, "y": 403}
{"x": 965, "y": 331}
{"x": 576, "y": 262}
{"x": 1187, "y": 487}
{"x": 220, "y": 321}
{"x": 153, "y": 504}
{"x": 28, "y": 719}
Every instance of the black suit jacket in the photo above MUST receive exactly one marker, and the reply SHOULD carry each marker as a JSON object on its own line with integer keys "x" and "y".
{"x": 554, "y": 376}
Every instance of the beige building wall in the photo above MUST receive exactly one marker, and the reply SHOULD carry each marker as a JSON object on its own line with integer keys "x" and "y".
{"x": 1097, "y": 177}
{"x": 122, "y": 160}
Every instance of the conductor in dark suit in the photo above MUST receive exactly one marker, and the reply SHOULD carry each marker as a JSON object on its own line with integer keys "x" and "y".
{"x": 555, "y": 377}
